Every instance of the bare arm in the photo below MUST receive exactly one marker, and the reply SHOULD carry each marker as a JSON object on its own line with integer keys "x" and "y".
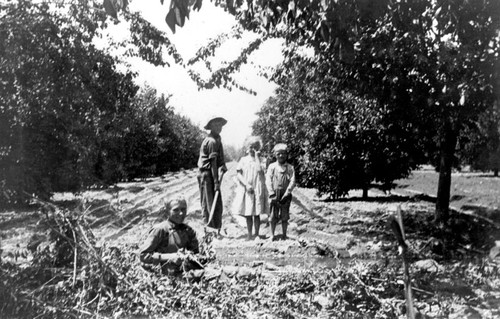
{"x": 269, "y": 182}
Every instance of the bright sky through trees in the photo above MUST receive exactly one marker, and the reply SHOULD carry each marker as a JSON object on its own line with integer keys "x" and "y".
{"x": 236, "y": 106}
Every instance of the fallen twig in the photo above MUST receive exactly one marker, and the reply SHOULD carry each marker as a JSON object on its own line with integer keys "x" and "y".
{"x": 367, "y": 288}
{"x": 75, "y": 255}
{"x": 423, "y": 291}
{"x": 472, "y": 249}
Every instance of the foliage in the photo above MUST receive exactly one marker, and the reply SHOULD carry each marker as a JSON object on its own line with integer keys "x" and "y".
{"x": 338, "y": 141}
{"x": 151, "y": 43}
{"x": 209, "y": 49}
{"x": 231, "y": 153}
{"x": 482, "y": 142}
{"x": 151, "y": 140}
{"x": 437, "y": 62}
{"x": 110, "y": 282}
{"x": 434, "y": 64}
{"x": 59, "y": 94}
{"x": 222, "y": 77}
{"x": 68, "y": 118}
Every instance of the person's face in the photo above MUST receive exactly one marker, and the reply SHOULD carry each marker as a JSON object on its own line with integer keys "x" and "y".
{"x": 217, "y": 127}
{"x": 281, "y": 156}
{"x": 255, "y": 147}
{"x": 178, "y": 212}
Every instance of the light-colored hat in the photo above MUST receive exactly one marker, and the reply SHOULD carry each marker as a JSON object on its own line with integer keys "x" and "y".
{"x": 215, "y": 120}
{"x": 280, "y": 147}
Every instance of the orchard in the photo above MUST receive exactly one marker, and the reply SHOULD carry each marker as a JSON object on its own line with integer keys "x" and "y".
{"x": 389, "y": 108}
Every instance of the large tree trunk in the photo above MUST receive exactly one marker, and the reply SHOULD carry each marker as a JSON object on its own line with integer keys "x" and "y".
{"x": 447, "y": 152}
{"x": 365, "y": 192}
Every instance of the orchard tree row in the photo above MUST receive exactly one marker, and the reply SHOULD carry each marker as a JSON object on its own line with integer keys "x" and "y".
{"x": 338, "y": 141}
{"x": 68, "y": 118}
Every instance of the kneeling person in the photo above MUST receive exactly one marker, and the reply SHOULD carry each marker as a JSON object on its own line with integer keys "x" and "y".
{"x": 166, "y": 241}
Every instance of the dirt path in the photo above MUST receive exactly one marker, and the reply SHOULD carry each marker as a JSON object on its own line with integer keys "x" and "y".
{"x": 323, "y": 236}
{"x": 319, "y": 231}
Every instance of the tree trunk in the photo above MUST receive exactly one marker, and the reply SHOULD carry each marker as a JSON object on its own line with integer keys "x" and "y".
{"x": 365, "y": 192}
{"x": 447, "y": 152}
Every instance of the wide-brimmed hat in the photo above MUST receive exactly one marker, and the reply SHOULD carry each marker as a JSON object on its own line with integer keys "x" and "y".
{"x": 215, "y": 120}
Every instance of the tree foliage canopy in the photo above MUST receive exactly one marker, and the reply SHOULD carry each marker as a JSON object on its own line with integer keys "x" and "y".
{"x": 339, "y": 141}
{"x": 433, "y": 65}
{"x": 68, "y": 118}
{"x": 481, "y": 143}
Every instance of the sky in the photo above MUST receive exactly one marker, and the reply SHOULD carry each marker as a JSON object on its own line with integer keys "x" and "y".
{"x": 238, "y": 107}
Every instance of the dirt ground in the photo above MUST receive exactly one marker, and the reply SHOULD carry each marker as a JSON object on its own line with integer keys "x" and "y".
{"x": 321, "y": 233}
{"x": 471, "y": 192}
{"x": 123, "y": 214}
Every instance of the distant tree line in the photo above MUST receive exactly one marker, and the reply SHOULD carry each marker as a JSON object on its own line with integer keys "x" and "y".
{"x": 480, "y": 145}
{"x": 150, "y": 141}
{"x": 68, "y": 118}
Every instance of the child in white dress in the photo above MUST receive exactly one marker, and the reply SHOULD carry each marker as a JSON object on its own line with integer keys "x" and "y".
{"x": 251, "y": 199}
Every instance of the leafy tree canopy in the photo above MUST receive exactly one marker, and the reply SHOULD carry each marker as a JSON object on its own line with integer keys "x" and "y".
{"x": 434, "y": 64}
{"x": 338, "y": 141}
{"x": 68, "y": 118}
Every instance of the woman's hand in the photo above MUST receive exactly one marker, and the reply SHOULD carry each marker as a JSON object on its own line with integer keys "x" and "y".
{"x": 272, "y": 198}
{"x": 249, "y": 189}
{"x": 172, "y": 258}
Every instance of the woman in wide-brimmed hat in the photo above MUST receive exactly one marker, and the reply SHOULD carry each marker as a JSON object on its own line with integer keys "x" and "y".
{"x": 215, "y": 120}
{"x": 212, "y": 167}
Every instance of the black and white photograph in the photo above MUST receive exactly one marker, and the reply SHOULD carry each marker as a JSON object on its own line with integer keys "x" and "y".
{"x": 253, "y": 159}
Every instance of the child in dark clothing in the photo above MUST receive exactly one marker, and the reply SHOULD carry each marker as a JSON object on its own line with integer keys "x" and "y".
{"x": 280, "y": 182}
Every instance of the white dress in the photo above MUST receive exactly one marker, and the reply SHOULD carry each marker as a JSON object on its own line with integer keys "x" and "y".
{"x": 244, "y": 203}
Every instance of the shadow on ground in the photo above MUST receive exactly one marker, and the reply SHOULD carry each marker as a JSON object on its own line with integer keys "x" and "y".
{"x": 393, "y": 198}
{"x": 491, "y": 213}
